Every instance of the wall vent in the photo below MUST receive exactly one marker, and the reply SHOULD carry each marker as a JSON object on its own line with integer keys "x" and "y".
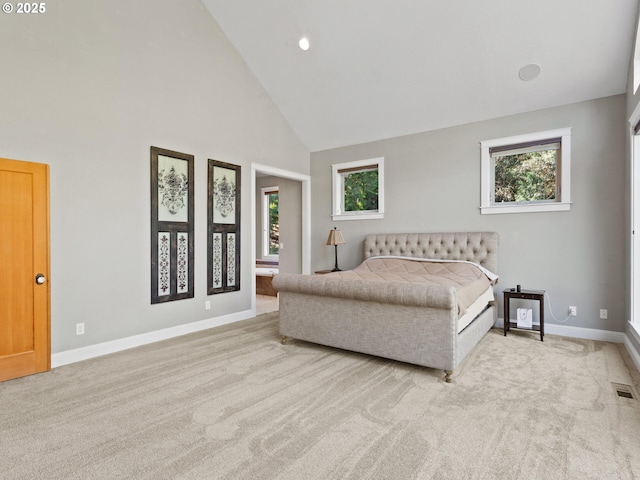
{"x": 624, "y": 391}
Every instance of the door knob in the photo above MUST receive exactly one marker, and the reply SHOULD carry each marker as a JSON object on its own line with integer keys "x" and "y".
{"x": 40, "y": 279}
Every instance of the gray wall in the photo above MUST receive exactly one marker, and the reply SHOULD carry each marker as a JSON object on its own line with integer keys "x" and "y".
{"x": 432, "y": 183}
{"x": 88, "y": 87}
{"x": 290, "y": 213}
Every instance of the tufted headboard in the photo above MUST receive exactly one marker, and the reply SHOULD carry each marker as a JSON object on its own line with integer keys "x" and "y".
{"x": 478, "y": 247}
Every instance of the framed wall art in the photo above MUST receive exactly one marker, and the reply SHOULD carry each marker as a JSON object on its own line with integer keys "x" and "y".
{"x": 223, "y": 262}
{"x": 171, "y": 225}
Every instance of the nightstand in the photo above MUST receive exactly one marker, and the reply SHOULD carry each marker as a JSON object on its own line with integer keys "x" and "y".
{"x": 526, "y": 295}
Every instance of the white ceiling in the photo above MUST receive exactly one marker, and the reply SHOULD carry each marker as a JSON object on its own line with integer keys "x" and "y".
{"x": 383, "y": 68}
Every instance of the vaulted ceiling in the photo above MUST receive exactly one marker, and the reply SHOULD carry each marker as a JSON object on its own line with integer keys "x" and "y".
{"x": 377, "y": 69}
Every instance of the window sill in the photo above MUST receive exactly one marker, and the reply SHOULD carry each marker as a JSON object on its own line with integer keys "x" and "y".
{"x": 357, "y": 216}
{"x": 526, "y": 208}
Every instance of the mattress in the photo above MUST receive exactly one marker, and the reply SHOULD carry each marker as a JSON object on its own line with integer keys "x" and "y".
{"x": 470, "y": 280}
{"x": 266, "y": 272}
{"x": 475, "y": 309}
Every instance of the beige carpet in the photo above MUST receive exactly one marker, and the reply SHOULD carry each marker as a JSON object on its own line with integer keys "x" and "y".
{"x": 233, "y": 403}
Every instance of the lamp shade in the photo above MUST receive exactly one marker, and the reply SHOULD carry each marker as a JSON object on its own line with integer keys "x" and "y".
{"x": 335, "y": 237}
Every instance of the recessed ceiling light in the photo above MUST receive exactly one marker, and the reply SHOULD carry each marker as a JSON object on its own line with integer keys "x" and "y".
{"x": 529, "y": 72}
{"x": 304, "y": 44}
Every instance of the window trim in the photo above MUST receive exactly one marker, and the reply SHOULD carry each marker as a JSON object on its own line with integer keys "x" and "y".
{"x": 337, "y": 170}
{"x": 487, "y": 174}
{"x": 265, "y": 222}
{"x": 636, "y": 63}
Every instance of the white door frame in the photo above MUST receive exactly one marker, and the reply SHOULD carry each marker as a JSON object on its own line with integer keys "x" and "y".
{"x": 306, "y": 219}
{"x": 634, "y": 231}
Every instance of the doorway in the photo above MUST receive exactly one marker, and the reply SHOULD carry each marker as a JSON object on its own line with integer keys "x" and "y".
{"x": 24, "y": 277}
{"x": 291, "y": 254}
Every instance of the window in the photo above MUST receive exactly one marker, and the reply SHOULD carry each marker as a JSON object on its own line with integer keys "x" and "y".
{"x": 636, "y": 63}
{"x": 634, "y": 228}
{"x": 358, "y": 190}
{"x": 270, "y": 222}
{"x": 526, "y": 173}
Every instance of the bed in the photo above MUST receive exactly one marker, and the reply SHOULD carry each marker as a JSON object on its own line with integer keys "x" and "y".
{"x": 387, "y": 307}
{"x": 264, "y": 278}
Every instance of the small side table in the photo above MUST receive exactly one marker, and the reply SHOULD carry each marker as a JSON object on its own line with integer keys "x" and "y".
{"x": 527, "y": 295}
{"x": 322, "y": 272}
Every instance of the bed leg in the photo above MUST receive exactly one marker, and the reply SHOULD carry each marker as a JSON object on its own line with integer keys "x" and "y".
{"x": 283, "y": 339}
{"x": 447, "y": 375}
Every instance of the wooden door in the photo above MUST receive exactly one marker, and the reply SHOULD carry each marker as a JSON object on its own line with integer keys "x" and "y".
{"x": 24, "y": 269}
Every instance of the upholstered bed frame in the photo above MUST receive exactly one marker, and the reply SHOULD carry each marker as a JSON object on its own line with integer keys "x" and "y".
{"x": 412, "y": 323}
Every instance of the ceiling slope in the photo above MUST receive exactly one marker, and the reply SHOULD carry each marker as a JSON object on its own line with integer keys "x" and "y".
{"x": 380, "y": 68}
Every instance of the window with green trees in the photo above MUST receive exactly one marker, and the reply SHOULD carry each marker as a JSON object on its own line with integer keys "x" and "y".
{"x": 358, "y": 189}
{"x": 361, "y": 190}
{"x": 274, "y": 224}
{"x": 526, "y": 173}
{"x": 271, "y": 222}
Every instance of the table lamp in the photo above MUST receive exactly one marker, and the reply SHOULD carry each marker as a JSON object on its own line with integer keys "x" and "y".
{"x": 335, "y": 239}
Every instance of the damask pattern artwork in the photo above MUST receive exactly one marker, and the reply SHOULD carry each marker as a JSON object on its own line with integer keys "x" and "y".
{"x": 164, "y": 264}
{"x": 223, "y": 207}
{"x": 172, "y": 226}
{"x": 173, "y": 190}
{"x": 224, "y": 187}
{"x": 231, "y": 255}
{"x": 217, "y": 260}
{"x": 183, "y": 263}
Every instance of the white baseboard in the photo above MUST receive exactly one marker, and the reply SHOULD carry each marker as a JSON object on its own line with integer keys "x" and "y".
{"x": 579, "y": 332}
{"x": 590, "y": 334}
{"x": 586, "y": 333}
{"x": 633, "y": 353}
{"x": 97, "y": 350}
{"x": 92, "y": 351}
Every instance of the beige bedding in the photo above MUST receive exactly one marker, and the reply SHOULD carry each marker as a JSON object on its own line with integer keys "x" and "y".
{"x": 468, "y": 279}
{"x": 475, "y": 309}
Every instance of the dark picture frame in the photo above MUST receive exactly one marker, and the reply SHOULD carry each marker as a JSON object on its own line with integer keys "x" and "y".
{"x": 223, "y": 232}
{"x": 172, "y": 225}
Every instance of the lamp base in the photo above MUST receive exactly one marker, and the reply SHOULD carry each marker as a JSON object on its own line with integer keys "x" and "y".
{"x": 336, "y": 269}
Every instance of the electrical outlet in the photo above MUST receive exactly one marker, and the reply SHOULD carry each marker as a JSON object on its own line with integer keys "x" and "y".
{"x": 573, "y": 311}
{"x": 207, "y": 305}
{"x": 604, "y": 314}
{"x": 79, "y": 328}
